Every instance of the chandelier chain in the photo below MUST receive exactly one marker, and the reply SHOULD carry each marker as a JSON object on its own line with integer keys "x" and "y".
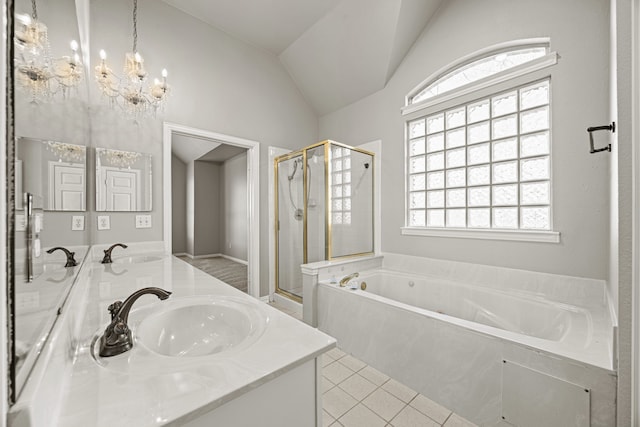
{"x": 135, "y": 25}
{"x": 34, "y": 10}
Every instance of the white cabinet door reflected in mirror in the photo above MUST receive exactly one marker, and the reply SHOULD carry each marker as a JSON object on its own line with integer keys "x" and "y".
{"x": 55, "y": 170}
{"x": 123, "y": 180}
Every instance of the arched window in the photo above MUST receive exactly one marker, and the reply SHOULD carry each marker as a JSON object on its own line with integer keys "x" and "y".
{"x": 479, "y": 159}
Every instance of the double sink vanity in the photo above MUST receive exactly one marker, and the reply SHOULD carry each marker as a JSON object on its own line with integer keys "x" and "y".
{"x": 200, "y": 353}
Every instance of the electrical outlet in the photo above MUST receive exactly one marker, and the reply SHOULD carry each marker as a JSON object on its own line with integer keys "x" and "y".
{"x": 104, "y": 223}
{"x": 143, "y": 221}
{"x": 77, "y": 223}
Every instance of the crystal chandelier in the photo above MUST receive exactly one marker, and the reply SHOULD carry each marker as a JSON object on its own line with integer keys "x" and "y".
{"x": 129, "y": 91}
{"x": 36, "y": 71}
{"x": 120, "y": 159}
{"x": 70, "y": 153}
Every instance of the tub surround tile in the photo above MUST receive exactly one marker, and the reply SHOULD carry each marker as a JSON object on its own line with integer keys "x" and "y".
{"x": 430, "y": 408}
{"x": 361, "y": 416}
{"x": 410, "y": 417}
{"x": 337, "y": 402}
{"x": 384, "y": 404}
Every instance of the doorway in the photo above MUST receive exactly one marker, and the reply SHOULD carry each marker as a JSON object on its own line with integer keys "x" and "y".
{"x": 200, "y": 142}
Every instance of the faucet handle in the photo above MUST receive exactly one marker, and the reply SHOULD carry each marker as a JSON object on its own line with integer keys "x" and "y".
{"x": 114, "y": 309}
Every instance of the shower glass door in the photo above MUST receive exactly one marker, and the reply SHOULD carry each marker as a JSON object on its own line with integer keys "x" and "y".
{"x": 290, "y": 225}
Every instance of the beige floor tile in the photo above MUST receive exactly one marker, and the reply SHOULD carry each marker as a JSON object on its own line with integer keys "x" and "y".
{"x": 326, "y": 385}
{"x": 336, "y": 353}
{"x": 400, "y": 390}
{"x": 337, "y": 402}
{"x": 327, "y": 419}
{"x": 373, "y": 375}
{"x": 361, "y": 416}
{"x": 384, "y": 404}
{"x": 357, "y": 386}
{"x": 410, "y": 417}
{"x": 456, "y": 420}
{"x": 326, "y": 360}
{"x": 430, "y": 408}
{"x": 336, "y": 372}
{"x": 352, "y": 363}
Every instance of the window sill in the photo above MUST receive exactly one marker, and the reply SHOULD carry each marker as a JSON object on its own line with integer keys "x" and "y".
{"x": 463, "y": 233}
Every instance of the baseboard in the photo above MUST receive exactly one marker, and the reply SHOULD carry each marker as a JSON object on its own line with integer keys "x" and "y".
{"x": 230, "y": 258}
{"x": 183, "y": 254}
{"x": 266, "y": 299}
{"x": 206, "y": 256}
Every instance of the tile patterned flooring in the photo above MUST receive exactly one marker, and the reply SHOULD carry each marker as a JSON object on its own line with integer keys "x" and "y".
{"x": 357, "y": 395}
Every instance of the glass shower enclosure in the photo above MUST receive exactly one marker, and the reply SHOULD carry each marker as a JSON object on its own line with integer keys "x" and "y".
{"x": 324, "y": 209}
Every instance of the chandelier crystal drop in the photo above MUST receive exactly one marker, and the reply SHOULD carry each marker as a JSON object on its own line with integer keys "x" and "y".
{"x": 130, "y": 90}
{"x": 36, "y": 71}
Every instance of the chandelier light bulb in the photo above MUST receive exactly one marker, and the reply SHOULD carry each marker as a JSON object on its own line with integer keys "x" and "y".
{"x": 138, "y": 57}
{"x": 103, "y": 54}
{"x": 74, "y": 45}
{"x": 164, "y": 73}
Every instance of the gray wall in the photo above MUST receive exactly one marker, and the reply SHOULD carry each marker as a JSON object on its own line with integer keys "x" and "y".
{"x": 206, "y": 208}
{"x": 234, "y": 207}
{"x": 580, "y": 99}
{"x": 178, "y": 205}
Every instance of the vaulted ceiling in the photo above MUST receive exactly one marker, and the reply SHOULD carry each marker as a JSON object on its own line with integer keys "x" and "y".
{"x": 336, "y": 51}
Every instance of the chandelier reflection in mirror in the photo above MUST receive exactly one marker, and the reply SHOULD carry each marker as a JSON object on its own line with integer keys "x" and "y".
{"x": 119, "y": 159}
{"x": 36, "y": 71}
{"x": 129, "y": 91}
{"x": 69, "y": 153}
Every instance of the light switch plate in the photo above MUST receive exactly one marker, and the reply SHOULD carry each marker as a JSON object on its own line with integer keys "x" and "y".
{"x": 143, "y": 221}
{"x": 21, "y": 222}
{"x": 104, "y": 222}
{"x": 77, "y": 223}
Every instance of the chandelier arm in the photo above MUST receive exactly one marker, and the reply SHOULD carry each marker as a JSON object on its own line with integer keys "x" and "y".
{"x": 135, "y": 26}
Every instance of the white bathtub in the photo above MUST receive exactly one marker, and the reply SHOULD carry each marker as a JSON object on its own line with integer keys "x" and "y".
{"x": 453, "y": 342}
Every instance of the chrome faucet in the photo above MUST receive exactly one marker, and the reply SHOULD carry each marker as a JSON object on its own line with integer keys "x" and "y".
{"x": 107, "y": 253}
{"x": 71, "y": 261}
{"x": 346, "y": 279}
{"x": 117, "y": 336}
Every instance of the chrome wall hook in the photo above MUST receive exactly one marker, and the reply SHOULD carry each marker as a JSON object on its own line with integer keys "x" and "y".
{"x": 611, "y": 128}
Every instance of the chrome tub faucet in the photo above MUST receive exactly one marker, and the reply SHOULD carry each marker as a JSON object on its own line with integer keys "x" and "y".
{"x": 117, "y": 337}
{"x": 107, "y": 253}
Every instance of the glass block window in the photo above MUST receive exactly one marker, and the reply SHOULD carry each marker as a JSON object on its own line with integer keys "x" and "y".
{"x": 477, "y": 70}
{"x": 340, "y": 185}
{"x": 484, "y": 164}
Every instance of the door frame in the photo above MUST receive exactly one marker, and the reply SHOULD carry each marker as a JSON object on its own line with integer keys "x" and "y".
{"x": 253, "y": 193}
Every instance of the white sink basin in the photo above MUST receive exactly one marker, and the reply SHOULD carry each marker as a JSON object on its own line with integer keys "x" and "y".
{"x": 201, "y": 326}
{"x": 136, "y": 259}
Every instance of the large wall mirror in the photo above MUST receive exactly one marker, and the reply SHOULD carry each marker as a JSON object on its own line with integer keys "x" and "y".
{"x": 48, "y": 139}
{"x": 55, "y": 170}
{"x": 123, "y": 180}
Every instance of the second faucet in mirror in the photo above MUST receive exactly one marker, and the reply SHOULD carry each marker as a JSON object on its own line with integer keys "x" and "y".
{"x": 107, "y": 253}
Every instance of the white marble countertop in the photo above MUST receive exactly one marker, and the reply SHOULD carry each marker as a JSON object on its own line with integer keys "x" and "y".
{"x": 175, "y": 392}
